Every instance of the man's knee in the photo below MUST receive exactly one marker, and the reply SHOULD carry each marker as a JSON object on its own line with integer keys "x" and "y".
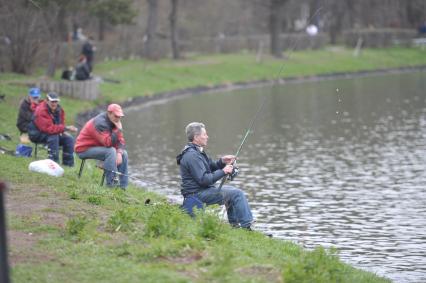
{"x": 110, "y": 151}
{"x": 53, "y": 139}
{"x": 239, "y": 192}
{"x": 68, "y": 141}
{"x": 236, "y": 194}
{"x": 124, "y": 156}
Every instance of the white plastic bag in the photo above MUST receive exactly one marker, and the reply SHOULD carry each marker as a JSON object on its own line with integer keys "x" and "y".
{"x": 46, "y": 166}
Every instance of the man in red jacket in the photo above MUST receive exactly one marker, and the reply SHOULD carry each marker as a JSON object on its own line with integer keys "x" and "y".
{"x": 48, "y": 126}
{"x": 102, "y": 138}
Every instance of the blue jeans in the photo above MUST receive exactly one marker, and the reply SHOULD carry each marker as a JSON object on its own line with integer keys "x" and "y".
{"x": 238, "y": 209}
{"x": 54, "y": 142}
{"x": 109, "y": 156}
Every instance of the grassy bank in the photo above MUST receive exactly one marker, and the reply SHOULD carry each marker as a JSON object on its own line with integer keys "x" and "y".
{"x": 71, "y": 230}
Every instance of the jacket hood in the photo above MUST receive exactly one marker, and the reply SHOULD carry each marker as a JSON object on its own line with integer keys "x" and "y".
{"x": 185, "y": 150}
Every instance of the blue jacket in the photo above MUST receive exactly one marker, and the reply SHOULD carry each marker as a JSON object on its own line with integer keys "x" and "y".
{"x": 197, "y": 170}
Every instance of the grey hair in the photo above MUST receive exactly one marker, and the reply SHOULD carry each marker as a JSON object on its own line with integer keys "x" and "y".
{"x": 193, "y": 129}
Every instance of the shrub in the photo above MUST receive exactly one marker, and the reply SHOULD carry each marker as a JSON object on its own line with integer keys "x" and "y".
{"x": 96, "y": 200}
{"x": 209, "y": 224}
{"x": 320, "y": 266}
{"x": 121, "y": 220}
{"x": 75, "y": 227}
{"x": 73, "y": 195}
{"x": 166, "y": 220}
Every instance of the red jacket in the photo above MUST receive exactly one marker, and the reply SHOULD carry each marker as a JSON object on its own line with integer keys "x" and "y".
{"x": 99, "y": 131}
{"x": 45, "y": 120}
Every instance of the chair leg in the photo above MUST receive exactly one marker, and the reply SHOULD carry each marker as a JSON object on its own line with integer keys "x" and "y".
{"x": 35, "y": 150}
{"x": 103, "y": 179}
{"x": 81, "y": 168}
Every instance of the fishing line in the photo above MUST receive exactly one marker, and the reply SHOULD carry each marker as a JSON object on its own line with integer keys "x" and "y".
{"x": 141, "y": 181}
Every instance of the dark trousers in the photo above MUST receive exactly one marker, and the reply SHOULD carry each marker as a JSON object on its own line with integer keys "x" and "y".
{"x": 54, "y": 142}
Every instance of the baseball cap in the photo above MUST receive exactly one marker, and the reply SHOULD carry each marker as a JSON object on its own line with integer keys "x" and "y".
{"x": 34, "y": 92}
{"x": 53, "y": 96}
{"x": 116, "y": 109}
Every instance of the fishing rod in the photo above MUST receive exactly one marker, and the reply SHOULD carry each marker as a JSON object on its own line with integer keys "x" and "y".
{"x": 234, "y": 172}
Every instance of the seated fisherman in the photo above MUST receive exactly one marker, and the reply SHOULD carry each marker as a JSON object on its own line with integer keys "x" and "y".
{"x": 48, "y": 126}
{"x": 26, "y": 110}
{"x": 82, "y": 70}
{"x": 102, "y": 138}
{"x": 199, "y": 174}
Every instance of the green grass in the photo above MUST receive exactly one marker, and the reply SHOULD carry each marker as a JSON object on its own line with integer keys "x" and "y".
{"x": 146, "y": 78}
{"x": 72, "y": 230}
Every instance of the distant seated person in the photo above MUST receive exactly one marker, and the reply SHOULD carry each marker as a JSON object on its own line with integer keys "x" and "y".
{"x": 102, "y": 139}
{"x": 26, "y": 110}
{"x": 48, "y": 126}
{"x": 422, "y": 29}
{"x": 82, "y": 70}
{"x": 68, "y": 74}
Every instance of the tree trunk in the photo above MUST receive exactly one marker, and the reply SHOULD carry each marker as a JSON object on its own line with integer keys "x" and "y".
{"x": 53, "y": 60}
{"x": 61, "y": 29}
{"x": 338, "y": 10}
{"x": 151, "y": 29}
{"x": 351, "y": 12}
{"x": 57, "y": 32}
{"x": 275, "y": 23}
{"x": 101, "y": 30}
{"x": 173, "y": 29}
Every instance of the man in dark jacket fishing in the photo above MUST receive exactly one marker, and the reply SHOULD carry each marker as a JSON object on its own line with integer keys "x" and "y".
{"x": 48, "y": 126}
{"x": 199, "y": 174}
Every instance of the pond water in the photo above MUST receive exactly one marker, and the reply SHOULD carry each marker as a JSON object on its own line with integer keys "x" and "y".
{"x": 338, "y": 163}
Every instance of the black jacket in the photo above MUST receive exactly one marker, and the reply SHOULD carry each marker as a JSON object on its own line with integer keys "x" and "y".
{"x": 82, "y": 71}
{"x": 25, "y": 115}
{"x": 197, "y": 170}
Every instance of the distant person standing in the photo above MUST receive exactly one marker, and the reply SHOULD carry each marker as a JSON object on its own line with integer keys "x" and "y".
{"x": 88, "y": 50}
{"x": 26, "y": 110}
{"x": 422, "y": 29}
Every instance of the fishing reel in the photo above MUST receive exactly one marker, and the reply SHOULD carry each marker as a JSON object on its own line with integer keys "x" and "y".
{"x": 234, "y": 173}
{"x": 116, "y": 181}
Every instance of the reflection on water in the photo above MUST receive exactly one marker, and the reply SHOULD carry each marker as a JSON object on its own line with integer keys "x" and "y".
{"x": 335, "y": 163}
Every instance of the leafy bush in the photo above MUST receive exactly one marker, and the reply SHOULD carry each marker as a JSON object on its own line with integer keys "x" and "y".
{"x": 319, "y": 266}
{"x": 75, "y": 227}
{"x": 166, "y": 220}
{"x": 96, "y": 200}
{"x": 122, "y": 220}
{"x": 73, "y": 195}
{"x": 209, "y": 224}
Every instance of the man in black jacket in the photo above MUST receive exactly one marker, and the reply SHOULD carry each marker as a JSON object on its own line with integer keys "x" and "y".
{"x": 26, "y": 110}
{"x": 88, "y": 50}
{"x": 199, "y": 174}
{"x": 82, "y": 70}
